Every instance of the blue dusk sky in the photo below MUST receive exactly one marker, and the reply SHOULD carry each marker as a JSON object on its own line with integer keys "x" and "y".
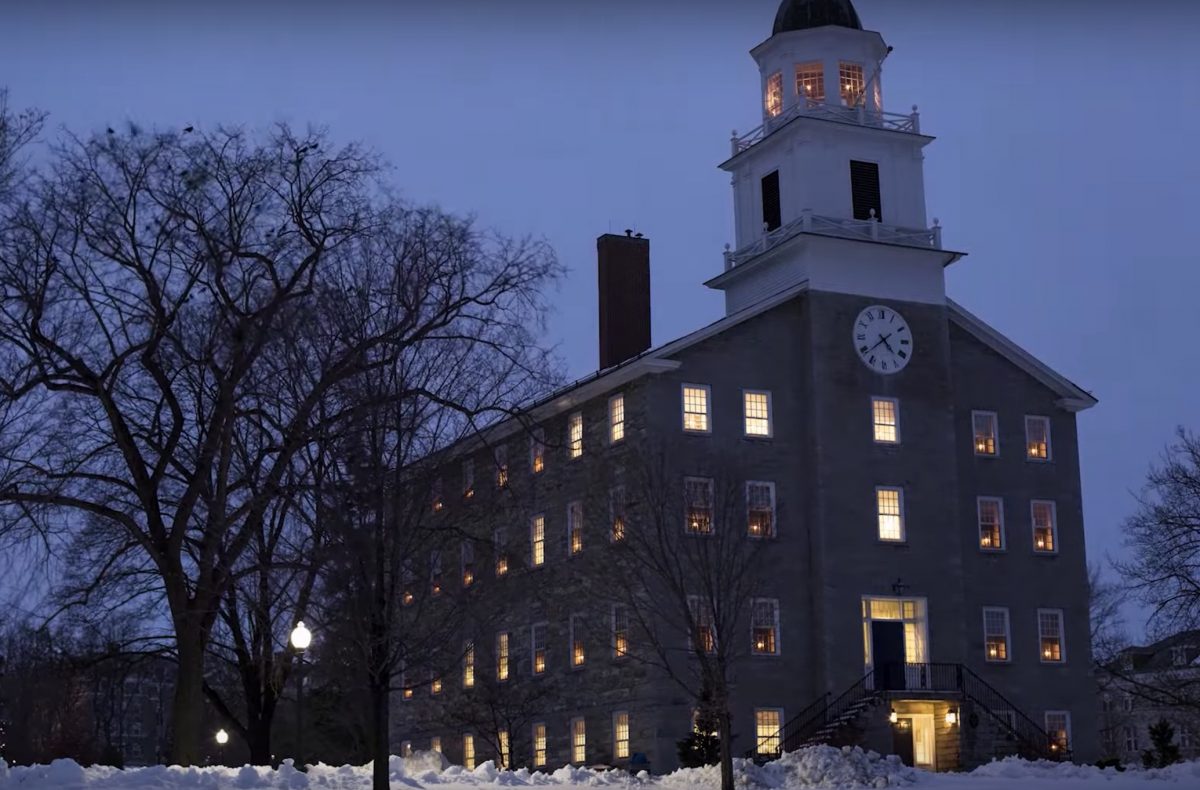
{"x": 1065, "y": 164}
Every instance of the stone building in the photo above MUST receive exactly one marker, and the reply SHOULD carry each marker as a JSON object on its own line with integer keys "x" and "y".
{"x": 913, "y": 474}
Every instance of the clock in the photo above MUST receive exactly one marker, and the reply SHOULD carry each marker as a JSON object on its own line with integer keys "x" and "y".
{"x": 882, "y": 339}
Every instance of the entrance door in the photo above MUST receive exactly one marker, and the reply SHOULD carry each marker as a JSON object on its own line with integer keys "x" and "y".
{"x": 902, "y": 739}
{"x": 887, "y": 654}
{"x": 923, "y": 751}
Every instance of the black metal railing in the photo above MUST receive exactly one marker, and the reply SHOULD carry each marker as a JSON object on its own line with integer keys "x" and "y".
{"x": 801, "y": 730}
{"x": 918, "y": 677}
{"x": 1033, "y": 742}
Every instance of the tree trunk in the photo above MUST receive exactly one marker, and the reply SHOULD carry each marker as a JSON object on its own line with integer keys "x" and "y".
{"x": 258, "y": 739}
{"x": 187, "y": 714}
{"x": 380, "y": 749}
{"x": 725, "y": 732}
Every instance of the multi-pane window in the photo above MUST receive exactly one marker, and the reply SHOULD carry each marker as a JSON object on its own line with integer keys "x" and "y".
{"x": 435, "y": 573}
{"x": 1131, "y": 739}
{"x": 1058, "y": 727}
{"x": 810, "y": 82}
{"x": 620, "y": 618}
{"x": 574, "y": 528}
{"x": 468, "y": 563}
{"x": 984, "y": 428}
{"x": 435, "y": 685}
{"x": 468, "y": 478}
{"x": 1037, "y": 438}
{"x": 408, "y": 581}
{"x": 756, "y": 407}
{"x": 760, "y": 509}
{"x": 438, "y": 501}
{"x": 575, "y": 435}
{"x": 885, "y": 419}
{"x": 537, "y": 451}
{"x": 1179, "y": 655}
{"x": 469, "y": 665}
{"x": 991, "y": 523}
{"x": 502, "y": 656}
{"x": 501, "y": 460}
{"x": 469, "y": 752}
{"x": 578, "y": 741}
{"x": 406, "y": 749}
{"x": 578, "y": 649}
{"x": 889, "y": 504}
{"x": 773, "y": 99}
{"x": 616, "y": 506}
{"x": 764, "y": 626}
{"x": 501, "y": 548}
{"x": 616, "y": 418}
{"x": 705, "y": 636}
{"x": 1045, "y": 527}
{"x": 696, "y": 416}
{"x": 539, "y": 744}
{"x": 995, "y": 633}
{"x": 505, "y": 751}
{"x": 850, "y": 77}
{"x": 435, "y": 744}
{"x": 767, "y": 725}
{"x": 1050, "y": 636}
{"x": 621, "y": 735}
{"x": 537, "y": 647}
{"x": 698, "y": 505}
{"x": 537, "y": 540}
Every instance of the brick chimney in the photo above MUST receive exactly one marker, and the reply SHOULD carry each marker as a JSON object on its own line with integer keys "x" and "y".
{"x": 624, "y": 286}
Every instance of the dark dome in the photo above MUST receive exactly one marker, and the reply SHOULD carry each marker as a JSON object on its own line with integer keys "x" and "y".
{"x": 803, "y": 14}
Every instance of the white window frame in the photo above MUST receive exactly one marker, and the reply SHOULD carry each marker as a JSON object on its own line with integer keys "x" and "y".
{"x": 847, "y": 69}
{"x": 712, "y": 508}
{"x": 615, "y": 425}
{"x": 540, "y": 762}
{"x": 406, "y": 748}
{"x": 995, "y": 433}
{"x": 469, "y": 664}
{"x": 574, "y": 636}
{"x": 537, "y": 450}
{"x": 505, "y": 744}
{"x": 1062, "y": 637}
{"x": 999, "y": 502}
{"x": 700, "y": 611}
{"x": 533, "y": 649}
{"x": 895, "y": 416}
{"x": 620, "y": 753}
{"x": 774, "y": 602}
{"x": 773, "y": 95}
{"x": 435, "y": 744}
{"x": 468, "y": 758}
{"x": 778, "y": 736}
{"x": 770, "y": 418}
{"x": 1049, "y": 439}
{"x": 503, "y": 656}
{"x": 878, "y": 515}
{"x": 1033, "y": 526}
{"x": 774, "y": 510}
{"x": 537, "y": 540}
{"x": 574, "y": 526}
{"x": 708, "y": 409}
{"x": 616, "y": 507}
{"x": 617, "y": 654}
{"x": 578, "y": 728}
{"x": 468, "y": 478}
{"x": 1007, "y": 635}
{"x": 575, "y": 445}
{"x": 815, "y": 71}
{"x": 1066, "y": 714}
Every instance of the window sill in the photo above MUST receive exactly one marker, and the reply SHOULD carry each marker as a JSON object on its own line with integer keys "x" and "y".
{"x": 1044, "y": 553}
{"x": 765, "y": 655}
{"x": 888, "y": 542}
{"x": 987, "y": 455}
{"x": 982, "y": 550}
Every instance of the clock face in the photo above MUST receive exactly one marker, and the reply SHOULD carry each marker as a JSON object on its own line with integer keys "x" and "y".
{"x": 882, "y": 339}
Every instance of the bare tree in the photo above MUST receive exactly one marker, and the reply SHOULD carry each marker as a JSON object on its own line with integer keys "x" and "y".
{"x": 17, "y": 130}
{"x": 156, "y": 289}
{"x": 1104, "y": 609}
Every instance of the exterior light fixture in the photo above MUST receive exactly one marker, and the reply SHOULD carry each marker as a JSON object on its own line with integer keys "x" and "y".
{"x": 952, "y": 717}
{"x": 301, "y": 637}
{"x": 222, "y": 737}
{"x": 893, "y": 717}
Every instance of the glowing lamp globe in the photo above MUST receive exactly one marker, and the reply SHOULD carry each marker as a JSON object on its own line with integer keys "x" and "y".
{"x": 222, "y": 737}
{"x": 301, "y": 637}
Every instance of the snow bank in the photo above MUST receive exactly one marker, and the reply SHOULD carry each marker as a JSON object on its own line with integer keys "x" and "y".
{"x": 1047, "y": 771}
{"x": 816, "y": 766}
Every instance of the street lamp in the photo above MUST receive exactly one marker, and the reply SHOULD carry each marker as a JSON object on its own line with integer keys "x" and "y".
{"x": 222, "y": 737}
{"x": 301, "y": 639}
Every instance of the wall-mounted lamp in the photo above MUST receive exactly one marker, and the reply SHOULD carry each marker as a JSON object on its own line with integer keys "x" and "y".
{"x": 952, "y": 717}
{"x": 893, "y": 717}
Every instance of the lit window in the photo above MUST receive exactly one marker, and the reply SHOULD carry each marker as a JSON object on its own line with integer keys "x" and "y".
{"x": 575, "y": 435}
{"x": 537, "y": 540}
{"x": 764, "y": 625}
{"x": 621, "y": 735}
{"x": 505, "y": 753}
{"x": 767, "y": 725}
{"x": 760, "y": 509}
{"x": 468, "y": 476}
{"x": 695, "y": 408}
{"x": 578, "y": 650}
{"x": 501, "y": 459}
{"x": 616, "y": 418}
{"x": 1037, "y": 438}
{"x": 983, "y": 424}
{"x": 850, "y": 76}
{"x": 468, "y": 563}
{"x": 406, "y": 748}
{"x": 469, "y": 752}
{"x": 407, "y": 690}
{"x": 438, "y": 502}
{"x": 498, "y": 541}
{"x": 620, "y": 632}
{"x": 469, "y": 665}
{"x": 435, "y": 744}
{"x": 578, "y": 741}
{"x": 757, "y": 408}
{"x": 1050, "y": 636}
{"x": 1045, "y": 526}
{"x": 435, "y": 686}
{"x": 991, "y": 523}
{"x": 502, "y": 655}
{"x": 698, "y": 505}
{"x": 537, "y": 451}
{"x": 705, "y": 636}
{"x": 537, "y": 638}
{"x": 774, "y": 95}
{"x": 995, "y": 633}
{"x": 539, "y": 745}
{"x": 574, "y": 528}
{"x": 885, "y": 414}
{"x": 435, "y": 573}
{"x": 810, "y": 82}
{"x": 1058, "y": 727}
{"x": 616, "y": 503}
{"x": 408, "y": 581}
{"x": 890, "y": 504}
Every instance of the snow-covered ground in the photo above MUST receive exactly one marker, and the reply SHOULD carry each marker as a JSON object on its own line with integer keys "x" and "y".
{"x": 821, "y": 766}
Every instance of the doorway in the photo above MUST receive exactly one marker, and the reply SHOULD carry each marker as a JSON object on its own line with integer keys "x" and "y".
{"x": 913, "y": 741}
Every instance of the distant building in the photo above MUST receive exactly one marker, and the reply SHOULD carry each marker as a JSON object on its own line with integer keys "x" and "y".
{"x": 1145, "y": 685}
{"x": 130, "y": 709}
{"x": 915, "y": 472}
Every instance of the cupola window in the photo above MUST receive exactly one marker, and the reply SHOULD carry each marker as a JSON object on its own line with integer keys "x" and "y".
{"x": 773, "y": 100}
{"x": 850, "y": 77}
{"x": 810, "y": 83}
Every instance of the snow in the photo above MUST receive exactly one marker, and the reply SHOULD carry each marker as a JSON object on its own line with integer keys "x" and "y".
{"x": 820, "y": 766}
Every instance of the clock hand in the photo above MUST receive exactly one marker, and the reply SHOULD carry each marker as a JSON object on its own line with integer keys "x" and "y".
{"x": 882, "y": 341}
{"x": 888, "y": 345}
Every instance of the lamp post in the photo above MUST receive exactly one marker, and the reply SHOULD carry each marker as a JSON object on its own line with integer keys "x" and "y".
{"x": 222, "y": 737}
{"x": 301, "y": 639}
